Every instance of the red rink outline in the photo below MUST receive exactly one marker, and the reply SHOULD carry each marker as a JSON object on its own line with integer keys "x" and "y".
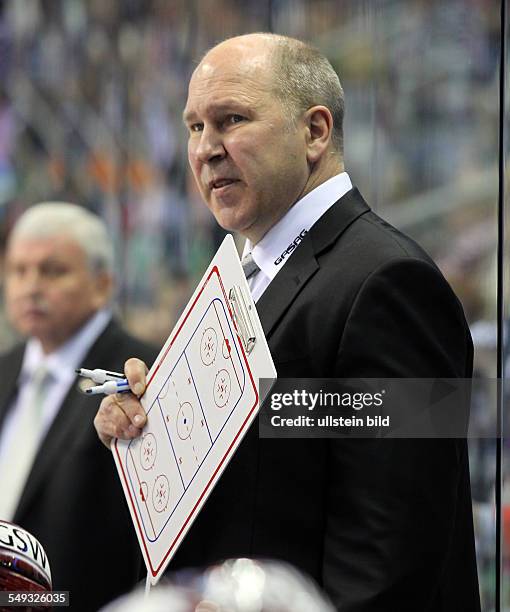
{"x": 154, "y": 571}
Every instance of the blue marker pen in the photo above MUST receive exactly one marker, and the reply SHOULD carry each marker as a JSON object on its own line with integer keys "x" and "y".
{"x": 109, "y": 387}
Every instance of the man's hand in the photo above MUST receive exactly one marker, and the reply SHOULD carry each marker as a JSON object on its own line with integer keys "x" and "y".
{"x": 121, "y": 415}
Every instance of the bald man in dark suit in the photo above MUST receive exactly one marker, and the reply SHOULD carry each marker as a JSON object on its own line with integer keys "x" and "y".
{"x": 382, "y": 525}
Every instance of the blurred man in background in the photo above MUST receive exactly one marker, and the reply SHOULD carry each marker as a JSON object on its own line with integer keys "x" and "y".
{"x": 56, "y": 480}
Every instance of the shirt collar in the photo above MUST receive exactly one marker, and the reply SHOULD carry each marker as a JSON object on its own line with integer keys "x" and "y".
{"x": 271, "y": 253}
{"x": 63, "y": 362}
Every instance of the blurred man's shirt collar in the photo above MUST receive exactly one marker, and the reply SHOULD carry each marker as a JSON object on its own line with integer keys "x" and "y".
{"x": 275, "y": 248}
{"x": 62, "y": 364}
{"x": 69, "y": 355}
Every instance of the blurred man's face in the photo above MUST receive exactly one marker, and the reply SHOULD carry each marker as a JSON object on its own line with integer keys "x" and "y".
{"x": 50, "y": 291}
{"x": 248, "y": 159}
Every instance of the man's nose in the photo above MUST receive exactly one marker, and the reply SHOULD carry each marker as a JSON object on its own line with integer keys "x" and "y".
{"x": 210, "y": 147}
{"x": 32, "y": 281}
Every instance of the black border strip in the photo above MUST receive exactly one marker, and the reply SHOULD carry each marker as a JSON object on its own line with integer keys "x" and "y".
{"x": 501, "y": 301}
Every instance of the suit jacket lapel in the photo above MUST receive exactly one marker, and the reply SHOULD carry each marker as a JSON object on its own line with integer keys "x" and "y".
{"x": 286, "y": 285}
{"x": 10, "y": 370}
{"x": 75, "y": 415}
{"x": 303, "y": 263}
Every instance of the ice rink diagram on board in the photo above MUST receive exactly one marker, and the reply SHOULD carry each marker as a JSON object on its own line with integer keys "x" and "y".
{"x": 202, "y": 396}
{"x": 193, "y": 405}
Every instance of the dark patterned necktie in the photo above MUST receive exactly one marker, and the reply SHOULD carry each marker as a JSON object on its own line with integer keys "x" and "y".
{"x": 250, "y": 268}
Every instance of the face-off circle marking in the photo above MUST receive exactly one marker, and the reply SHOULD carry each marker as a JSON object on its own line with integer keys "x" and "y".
{"x": 148, "y": 451}
{"x": 160, "y": 493}
{"x": 222, "y": 388}
{"x": 209, "y": 346}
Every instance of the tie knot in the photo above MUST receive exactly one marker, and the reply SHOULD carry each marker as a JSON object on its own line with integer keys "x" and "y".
{"x": 40, "y": 383}
{"x": 250, "y": 268}
{"x": 41, "y": 375}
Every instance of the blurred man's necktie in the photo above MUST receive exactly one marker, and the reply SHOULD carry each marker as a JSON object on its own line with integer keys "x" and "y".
{"x": 23, "y": 443}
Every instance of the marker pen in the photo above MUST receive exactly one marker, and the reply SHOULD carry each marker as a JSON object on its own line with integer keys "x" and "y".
{"x": 109, "y": 387}
{"x": 100, "y": 376}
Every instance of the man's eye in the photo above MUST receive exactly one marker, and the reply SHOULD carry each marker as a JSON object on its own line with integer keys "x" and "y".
{"x": 15, "y": 270}
{"x": 54, "y": 270}
{"x": 235, "y": 118}
{"x": 196, "y": 127}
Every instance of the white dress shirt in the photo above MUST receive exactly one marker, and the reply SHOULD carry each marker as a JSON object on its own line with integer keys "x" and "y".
{"x": 273, "y": 250}
{"x": 62, "y": 364}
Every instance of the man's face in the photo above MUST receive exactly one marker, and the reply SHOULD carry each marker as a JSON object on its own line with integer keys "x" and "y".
{"x": 248, "y": 159}
{"x": 50, "y": 290}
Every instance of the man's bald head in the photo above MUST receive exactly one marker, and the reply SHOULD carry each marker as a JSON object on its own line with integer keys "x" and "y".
{"x": 299, "y": 75}
{"x": 260, "y": 129}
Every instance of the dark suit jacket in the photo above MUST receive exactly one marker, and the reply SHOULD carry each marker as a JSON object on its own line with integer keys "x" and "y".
{"x": 73, "y": 501}
{"x": 384, "y": 525}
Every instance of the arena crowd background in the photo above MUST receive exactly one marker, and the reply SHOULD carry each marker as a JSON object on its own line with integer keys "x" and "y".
{"x": 91, "y": 96}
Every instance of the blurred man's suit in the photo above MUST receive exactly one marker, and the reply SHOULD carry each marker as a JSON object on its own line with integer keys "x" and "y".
{"x": 73, "y": 501}
{"x": 383, "y": 525}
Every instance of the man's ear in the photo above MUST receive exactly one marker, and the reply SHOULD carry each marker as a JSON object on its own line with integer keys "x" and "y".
{"x": 319, "y": 130}
{"x": 104, "y": 286}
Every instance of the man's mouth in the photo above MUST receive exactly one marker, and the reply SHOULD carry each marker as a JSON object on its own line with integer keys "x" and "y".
{"x": 220, "y": 183}
{"x": 39, "y": 309}
{"x": 34, "y": 312}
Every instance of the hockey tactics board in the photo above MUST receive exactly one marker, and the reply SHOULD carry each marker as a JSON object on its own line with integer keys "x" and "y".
{"x": 201, "y": 397}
